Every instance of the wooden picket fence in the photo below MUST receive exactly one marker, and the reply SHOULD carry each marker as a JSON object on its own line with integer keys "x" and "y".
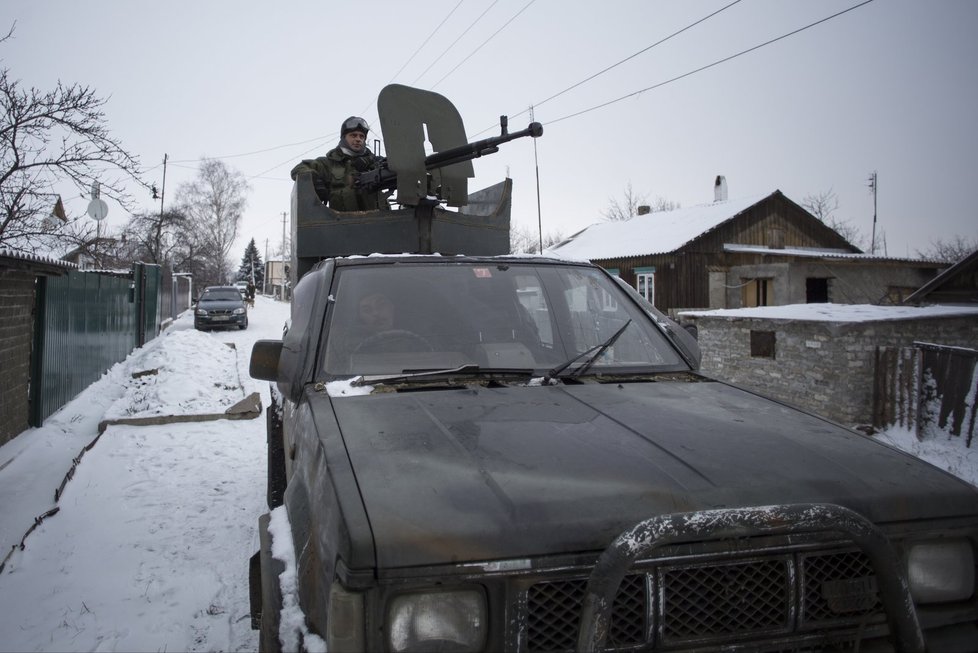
{"x": 927, "y": 388}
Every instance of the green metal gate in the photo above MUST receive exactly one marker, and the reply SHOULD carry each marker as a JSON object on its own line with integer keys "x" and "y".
{"x": 87, "y": 322}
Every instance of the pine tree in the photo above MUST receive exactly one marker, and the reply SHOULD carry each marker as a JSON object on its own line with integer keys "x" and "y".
{"x": 251, "y": 261}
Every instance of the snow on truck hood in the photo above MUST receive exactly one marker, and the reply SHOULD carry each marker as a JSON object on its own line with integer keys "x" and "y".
{"x": 494, "y": 473}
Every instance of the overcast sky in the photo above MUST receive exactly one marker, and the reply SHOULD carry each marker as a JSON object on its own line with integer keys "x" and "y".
{"x": 889, "y": 87}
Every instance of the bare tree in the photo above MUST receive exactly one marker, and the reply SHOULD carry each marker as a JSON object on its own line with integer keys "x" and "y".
{"x": 153, "y": 237}
{"x": 625, "y": 209}
{"x": 46, "y": 139}
{"x": 213, "y": 204}
{"x": 823, "y": 206}
{"x": 951, "y": 250}
{"x": 628, "y": 207}
{"x": 524, "y": 240}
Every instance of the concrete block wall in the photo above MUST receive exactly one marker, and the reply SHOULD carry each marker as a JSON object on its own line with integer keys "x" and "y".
{"x": 16, "y": 336}
{"x": 825, "y": 367}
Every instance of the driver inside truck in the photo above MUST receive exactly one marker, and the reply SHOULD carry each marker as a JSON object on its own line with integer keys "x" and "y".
{"x": 333, "y": 174}
{"x": 376, "y": 313}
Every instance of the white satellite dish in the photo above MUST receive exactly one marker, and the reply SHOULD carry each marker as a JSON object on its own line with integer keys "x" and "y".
{"x": 98, "y": 209}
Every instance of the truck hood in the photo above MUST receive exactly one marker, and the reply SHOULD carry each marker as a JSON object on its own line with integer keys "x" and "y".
{"x": 493, "y": 473}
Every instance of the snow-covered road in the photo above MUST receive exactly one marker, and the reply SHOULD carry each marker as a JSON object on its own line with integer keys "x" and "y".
{"x": 149, "y": 548}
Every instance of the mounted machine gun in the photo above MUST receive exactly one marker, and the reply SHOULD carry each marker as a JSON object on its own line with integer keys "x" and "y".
{"x": 409, "y": 118}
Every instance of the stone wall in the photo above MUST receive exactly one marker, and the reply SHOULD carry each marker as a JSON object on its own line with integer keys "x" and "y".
{"x": 825, "y": 367}
{"x": 16, "y": 336}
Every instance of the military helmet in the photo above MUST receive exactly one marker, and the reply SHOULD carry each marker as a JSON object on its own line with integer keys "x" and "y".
{"x": 354, "y": 124}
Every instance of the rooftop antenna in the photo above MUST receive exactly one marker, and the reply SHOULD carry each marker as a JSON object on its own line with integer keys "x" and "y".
{"x": 872, "y": 188}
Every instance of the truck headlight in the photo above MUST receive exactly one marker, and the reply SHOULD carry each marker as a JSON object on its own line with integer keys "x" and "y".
{"x": 453, "y": 621}
{"x": 941, "y": 570}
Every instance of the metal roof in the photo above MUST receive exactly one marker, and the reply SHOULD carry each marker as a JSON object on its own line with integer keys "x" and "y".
{"x": 27, "y": 260}
{"x": 822, "y": 253}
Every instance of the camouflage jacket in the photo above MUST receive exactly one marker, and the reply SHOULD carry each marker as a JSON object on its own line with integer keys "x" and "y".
{"x": 332, "y": 176}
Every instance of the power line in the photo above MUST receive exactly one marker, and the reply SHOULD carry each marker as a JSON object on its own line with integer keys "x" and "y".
{"x": 646, "y": 49}
{"x": 290, "y": 159}
{"x": 269, "y": 149}
{"x": 506, "y": 24}
{"x": 454, "y": 42}
{"x": 411, "y": 58}
{"x": 420, "y": 47}
{"x": 711, "y": 65}
{"x": 319, "y": 139}
{"x": 615, "y": 65}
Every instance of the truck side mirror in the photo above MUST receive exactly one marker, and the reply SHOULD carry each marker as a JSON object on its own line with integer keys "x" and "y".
{"x": 264, "y": 360}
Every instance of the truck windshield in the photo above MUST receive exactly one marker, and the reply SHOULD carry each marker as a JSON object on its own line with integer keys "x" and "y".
{"x": 406, "y": 317}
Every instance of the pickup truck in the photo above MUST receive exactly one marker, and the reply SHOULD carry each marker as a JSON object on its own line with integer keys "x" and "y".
{"x": 463, "y": 441}
{"x": 473, "y": 451}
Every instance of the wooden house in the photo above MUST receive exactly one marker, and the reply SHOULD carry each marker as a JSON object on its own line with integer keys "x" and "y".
{"x": 756, "y": 251}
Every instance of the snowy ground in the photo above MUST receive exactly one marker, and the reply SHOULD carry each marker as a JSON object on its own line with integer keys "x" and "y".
{"x": 149, "y": 549}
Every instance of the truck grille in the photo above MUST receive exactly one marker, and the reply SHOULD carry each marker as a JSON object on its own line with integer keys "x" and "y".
{"x": 555, "y": 610}
{"x": 681, "y": 604}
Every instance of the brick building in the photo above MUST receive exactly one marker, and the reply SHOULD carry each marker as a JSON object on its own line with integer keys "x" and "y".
{"x": 18, "y": 275}
{"x": 822, "y": 357}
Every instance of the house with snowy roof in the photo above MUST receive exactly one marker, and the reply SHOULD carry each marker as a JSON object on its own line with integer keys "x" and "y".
{"x": 763, "y": 250}
{"x": 956, "y": 285}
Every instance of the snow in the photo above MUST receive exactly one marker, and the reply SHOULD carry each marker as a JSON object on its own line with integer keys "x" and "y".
{"x": 149, "y": 548}
{"x": 347, "y": 389}
{"x": 193, "y": 377}
{"x": 653, "y": 233}
{"x": 839, "y": 312}
{"x": 939, "y": 449}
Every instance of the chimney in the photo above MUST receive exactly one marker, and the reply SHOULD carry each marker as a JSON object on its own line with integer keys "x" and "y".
{"x": 720, "y": 189}
{"x": 644, "y": 209}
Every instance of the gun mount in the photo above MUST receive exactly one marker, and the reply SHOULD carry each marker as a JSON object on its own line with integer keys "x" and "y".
{"x": 409, "y": 117}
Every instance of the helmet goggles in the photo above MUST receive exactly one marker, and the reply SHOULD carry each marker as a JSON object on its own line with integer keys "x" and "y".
{"x": 354, "y": 124}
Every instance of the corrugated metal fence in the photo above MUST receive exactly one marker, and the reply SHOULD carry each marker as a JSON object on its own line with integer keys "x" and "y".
{"x": 86, "y": 322}
{"x": 925, "y": 388}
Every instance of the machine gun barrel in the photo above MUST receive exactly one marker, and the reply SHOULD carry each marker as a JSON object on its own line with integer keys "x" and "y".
{"x": 476, "y": 149}
{"x": 383, "y": 178}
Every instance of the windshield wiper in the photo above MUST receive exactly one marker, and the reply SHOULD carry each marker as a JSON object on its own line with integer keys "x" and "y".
{"x": 467, "y": 369}
{"x": 597, "y": 351}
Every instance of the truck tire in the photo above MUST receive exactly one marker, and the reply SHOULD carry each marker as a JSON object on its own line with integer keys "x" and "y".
{"x": 276, "y": 454}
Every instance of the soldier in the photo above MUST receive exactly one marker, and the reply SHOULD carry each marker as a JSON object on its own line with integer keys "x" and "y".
{"x": 332, "y": 175}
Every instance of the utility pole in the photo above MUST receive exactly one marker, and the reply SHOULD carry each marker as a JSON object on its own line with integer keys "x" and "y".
{"x": 163, "y": 188}
{"x": 283, "y": 256}
{"x": 872, "y": 188}
{"x": 536, "y": 166}
{"x": 158, "y": 254}
{"x": 283, "y": 237}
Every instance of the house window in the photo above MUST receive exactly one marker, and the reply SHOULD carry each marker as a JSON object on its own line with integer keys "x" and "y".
{"x": 645, "y": 283}
{"x": 816, "y": 291}
{"x": 758, "y": 292}
{"x": 762, "y": 344}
